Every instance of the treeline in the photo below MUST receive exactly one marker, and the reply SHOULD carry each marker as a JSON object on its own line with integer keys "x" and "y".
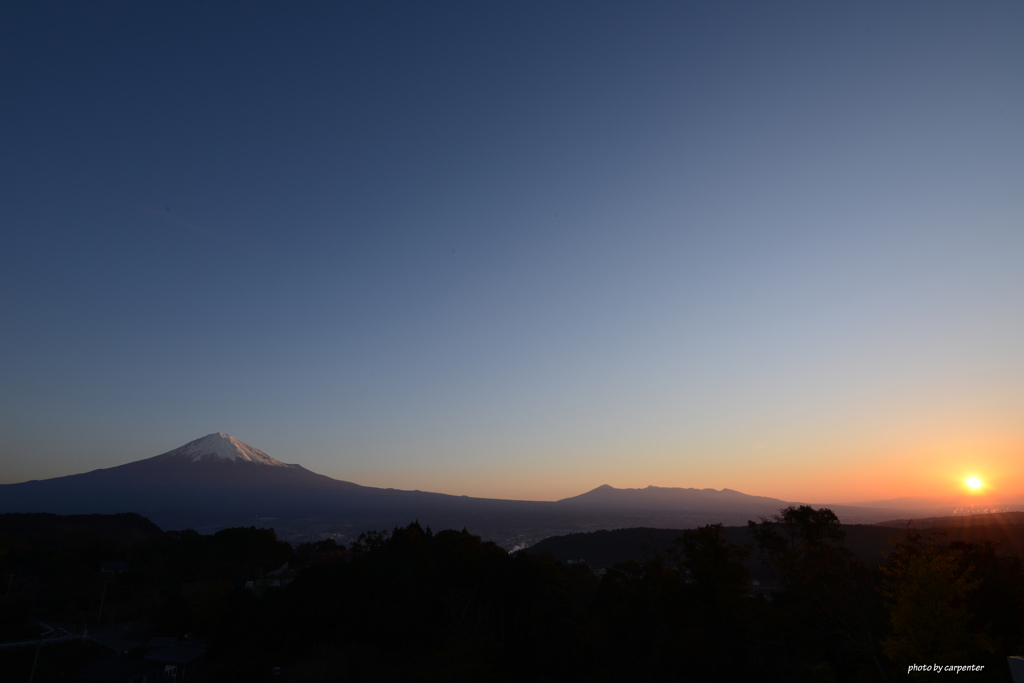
{"x": 412, "y": 604}
{"x": 418, "y": 605}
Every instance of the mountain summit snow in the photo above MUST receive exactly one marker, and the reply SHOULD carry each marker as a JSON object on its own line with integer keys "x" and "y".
{"x": 220, "y": 447}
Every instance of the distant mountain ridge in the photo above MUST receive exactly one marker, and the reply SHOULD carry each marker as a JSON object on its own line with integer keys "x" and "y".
{"x": 666, "y": 507}
{"x": 658, "y": 495}
{"x": 218, "y": 481}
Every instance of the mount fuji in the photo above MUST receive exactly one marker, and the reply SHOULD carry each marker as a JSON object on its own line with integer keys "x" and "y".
{"x": 219, "y": 481}
{"x": 210, "y": 479}
{"x": 217, "y": 461}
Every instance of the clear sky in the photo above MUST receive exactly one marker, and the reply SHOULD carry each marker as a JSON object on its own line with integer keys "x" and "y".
{"x": 515, "y": 249}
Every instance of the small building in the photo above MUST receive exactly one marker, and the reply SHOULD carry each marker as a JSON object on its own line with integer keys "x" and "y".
{"x": 179, "y": 662}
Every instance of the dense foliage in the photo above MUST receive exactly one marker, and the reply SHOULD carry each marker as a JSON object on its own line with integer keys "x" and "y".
{"x": 411, "y": 604}
{"x": 445, "y": 606}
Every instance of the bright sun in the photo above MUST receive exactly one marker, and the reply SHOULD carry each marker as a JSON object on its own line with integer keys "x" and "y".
{"x": 974, "y": 483}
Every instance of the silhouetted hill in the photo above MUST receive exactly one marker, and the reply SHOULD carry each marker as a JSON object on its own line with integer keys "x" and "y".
{"x": 44, "y": 529}
{"x": 1005, "y": 529}
{"x": 49, "y": 548}
{"x": 959, "y": 521}
{"x": 600, "y": 549}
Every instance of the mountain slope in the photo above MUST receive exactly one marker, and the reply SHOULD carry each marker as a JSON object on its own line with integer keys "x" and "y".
{"x": 214, "y": 461}
{"x": 219, "y": 481}
{"x": 215, "y": 477}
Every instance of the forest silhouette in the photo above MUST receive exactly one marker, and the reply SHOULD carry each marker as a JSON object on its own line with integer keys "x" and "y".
{"x": 415, "y": 604}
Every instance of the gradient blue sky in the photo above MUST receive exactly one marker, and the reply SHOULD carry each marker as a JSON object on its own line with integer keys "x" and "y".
{"x": 519, "y": 249}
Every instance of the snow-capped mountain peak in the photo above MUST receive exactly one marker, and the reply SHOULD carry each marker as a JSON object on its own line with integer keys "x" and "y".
{"x": 220, "y": 447}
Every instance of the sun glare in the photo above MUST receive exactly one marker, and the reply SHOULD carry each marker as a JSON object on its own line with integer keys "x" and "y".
{"x": 973, "y": 483}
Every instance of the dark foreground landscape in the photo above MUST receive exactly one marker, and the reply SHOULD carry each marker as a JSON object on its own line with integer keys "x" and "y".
{"x": 797, "y": 598}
